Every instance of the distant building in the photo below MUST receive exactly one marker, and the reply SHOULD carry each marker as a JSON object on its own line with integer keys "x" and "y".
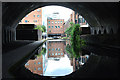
{"x": 55, "y": 27}
{"x": 55, "y": 49}
{"x": 78, "y": 19}
{"x": 34, "y": 17}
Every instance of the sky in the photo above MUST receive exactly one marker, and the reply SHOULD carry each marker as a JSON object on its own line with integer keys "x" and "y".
{"x": 48, "y": 10}
{"x": 59, "y": 68}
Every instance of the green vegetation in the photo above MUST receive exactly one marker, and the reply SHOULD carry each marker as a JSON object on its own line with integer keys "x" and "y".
{"x": 76, "y": 43}
{"x": 41, "y": 27}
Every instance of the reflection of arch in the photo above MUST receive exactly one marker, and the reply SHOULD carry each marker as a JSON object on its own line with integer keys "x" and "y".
{"x": 105, "y": 32}
{"x": 111, "y": 31}
{"x": 95, "y": 32}
{"x": 99, "y": 32}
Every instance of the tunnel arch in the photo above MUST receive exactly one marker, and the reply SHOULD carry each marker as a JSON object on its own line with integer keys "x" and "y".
{"x": 92, "y": 12}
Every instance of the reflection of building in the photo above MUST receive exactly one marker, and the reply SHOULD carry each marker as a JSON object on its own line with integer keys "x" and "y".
{"x": 55, "y": 27}
{"x": 39, "y": 65}
{"x": 78, "y": 62}
{"x": 55, "y": 49}
{"x": 34, "y": 17}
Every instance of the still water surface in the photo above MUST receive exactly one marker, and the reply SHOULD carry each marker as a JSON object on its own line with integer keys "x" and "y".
{"x": 53, "y": 59}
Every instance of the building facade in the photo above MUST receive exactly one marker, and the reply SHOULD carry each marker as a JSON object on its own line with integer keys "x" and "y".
{"x": 55, "y": 27}
{"x": 78, "y": 19}
{"x": 34, "y": 17}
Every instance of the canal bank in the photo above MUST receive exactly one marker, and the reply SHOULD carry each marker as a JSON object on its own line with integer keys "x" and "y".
{"x": 17, "y": 56}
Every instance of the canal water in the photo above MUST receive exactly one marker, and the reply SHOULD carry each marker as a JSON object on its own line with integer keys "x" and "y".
{"x": 55, "y": 58}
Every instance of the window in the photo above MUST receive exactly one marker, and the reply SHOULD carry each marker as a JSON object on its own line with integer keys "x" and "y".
{"x": 56, "y": 49}
{"x": 49, "y": 49}
{"x": 34, "y": 62}
{"x": 39, "y": 68}
{"x": 61, "y": 53}
{"x": 58, "y": 22}
{"x": 61, "y": 22}
{"x": 55, "y": 26}
{"x": 52, "y": 53}
{"x": 33, "y": 15}
{"x": 55, "y": 22}
{"x": 55, "y": 53}
{"x": 34, "y": 68}
{"x": 52, "y": 49}
{"x": 49, "y": 54}
{"x": 49, "y": 22}
{"x": 49, "y": 26}
{"x": 58, "y": 53}
{"x": 38, "y": 15}
{"x": 52, "y": 22}
{"x": 50, "y": 31}
{"x": 26, "y": 21}
{"x": 58, "y": 26}
{"x": 39, "y": 62}
{"x": 52, "y": 26}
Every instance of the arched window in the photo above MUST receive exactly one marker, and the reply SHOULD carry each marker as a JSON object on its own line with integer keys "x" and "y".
{"x": 105, "y": 32}
{"x": 111, "y": 31}
{"x": 95, "y": 32}
{"x": 99, "y": 32}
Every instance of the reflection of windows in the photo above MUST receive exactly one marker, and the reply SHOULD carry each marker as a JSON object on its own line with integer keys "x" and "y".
{"x": 38, "y": 15}
{"x": 55, "y": 53}
{"x": 52, "y": 49}
{"x": 58, "y": 26}
{"x": 55, "y": 26}
{"x": 58, "y": 53}
{"x": 49, "y": 22}
{"x": 26, "y": 21}
{"x": 52, "y": 53}
{"x": 49, "y": 49}
{"x": 39, "y": 68}
{"x": 56, "y": 49}
{"x": 39, "y": 62}
{"x": 55, "y": 22}
{"x": 52, "y": 22}
{"x": 61, "y": 53}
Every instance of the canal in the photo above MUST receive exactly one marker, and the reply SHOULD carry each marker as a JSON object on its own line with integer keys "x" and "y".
{"x": 53, "y": 59}
{"x": 57, "y": 58}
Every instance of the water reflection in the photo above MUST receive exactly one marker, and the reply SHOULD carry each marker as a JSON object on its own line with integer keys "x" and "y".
{"x": 55, "y": 59}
